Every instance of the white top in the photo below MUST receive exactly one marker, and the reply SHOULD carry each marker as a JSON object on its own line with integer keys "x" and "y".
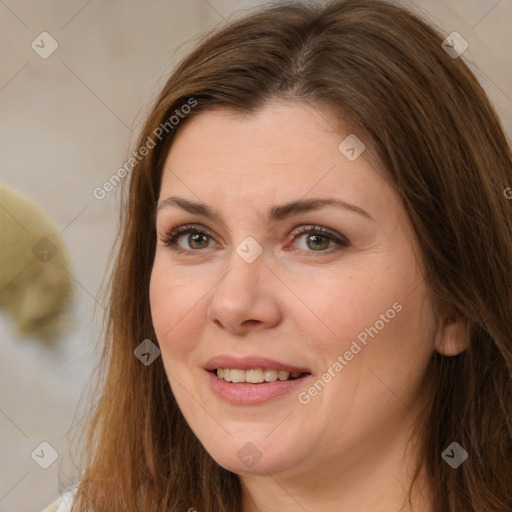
{"x": 66, "y": 502}
{"x": 62, "y": 504}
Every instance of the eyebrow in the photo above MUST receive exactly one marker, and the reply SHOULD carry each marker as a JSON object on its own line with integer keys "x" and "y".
{"x": 274, "y": 214}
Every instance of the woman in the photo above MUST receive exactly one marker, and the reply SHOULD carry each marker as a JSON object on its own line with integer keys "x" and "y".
{"x": 310, "y": 308}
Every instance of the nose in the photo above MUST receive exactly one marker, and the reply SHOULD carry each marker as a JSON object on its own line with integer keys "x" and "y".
{"x": 246, "y": 297}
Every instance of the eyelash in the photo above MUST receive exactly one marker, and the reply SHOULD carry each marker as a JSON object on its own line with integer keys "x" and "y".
{"x": 171, "y": 237}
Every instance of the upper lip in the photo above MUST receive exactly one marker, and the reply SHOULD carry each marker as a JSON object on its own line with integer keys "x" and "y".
{"x": 251, "y": 362}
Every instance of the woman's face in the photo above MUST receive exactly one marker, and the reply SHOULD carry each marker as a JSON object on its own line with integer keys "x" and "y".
{"x": 346, "y": 308}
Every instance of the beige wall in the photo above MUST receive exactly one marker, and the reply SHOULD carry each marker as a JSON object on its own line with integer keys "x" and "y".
{"x": 66, "y": 125}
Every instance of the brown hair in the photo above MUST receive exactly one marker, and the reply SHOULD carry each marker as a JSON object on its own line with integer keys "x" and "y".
{"x": 423, "y": 113}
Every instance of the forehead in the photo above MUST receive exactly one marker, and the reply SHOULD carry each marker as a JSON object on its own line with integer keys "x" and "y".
{"x": 284, "y": 151}
{"x": 279, "y": 132}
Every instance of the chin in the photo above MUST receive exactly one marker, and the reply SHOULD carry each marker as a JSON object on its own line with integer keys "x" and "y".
{"x": 264, "y": 466}
{"x": 254, "y": 457}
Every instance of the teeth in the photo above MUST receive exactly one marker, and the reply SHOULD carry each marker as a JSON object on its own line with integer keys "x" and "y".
{"x": 237, "y": 375}
{"x": 270, "y": 375}
{"x": 255, "y": 375}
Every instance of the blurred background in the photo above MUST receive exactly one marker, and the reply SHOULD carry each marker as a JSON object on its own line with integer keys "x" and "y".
{"x": 76, "y": 81}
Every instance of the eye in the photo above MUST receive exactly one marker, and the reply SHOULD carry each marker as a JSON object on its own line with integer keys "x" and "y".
{"x": 197, "y": 235}
{"x": 318, "y": 239}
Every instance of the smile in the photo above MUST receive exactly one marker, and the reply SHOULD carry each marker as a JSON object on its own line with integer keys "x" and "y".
{"x": 255, "y": 376}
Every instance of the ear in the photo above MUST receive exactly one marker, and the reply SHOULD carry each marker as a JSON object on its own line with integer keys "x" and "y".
{"x": 452, "y": 336}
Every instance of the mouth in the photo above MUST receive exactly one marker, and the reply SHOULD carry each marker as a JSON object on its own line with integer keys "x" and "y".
{"x": 253, "y": 380}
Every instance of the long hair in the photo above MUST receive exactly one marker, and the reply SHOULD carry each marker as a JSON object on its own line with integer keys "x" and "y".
{"x": 424, "y": 115}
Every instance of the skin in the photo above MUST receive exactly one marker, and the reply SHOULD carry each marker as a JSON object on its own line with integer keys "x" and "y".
{"x": 347, "y": 448}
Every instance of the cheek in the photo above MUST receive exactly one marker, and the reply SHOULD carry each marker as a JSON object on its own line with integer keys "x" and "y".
{"x": 174, "y": 302}
{"x": 383, "y": 307}
{"x": 386, "y": 327}
{"x": 341, "y": 307}
{"x": 382, "y": 357}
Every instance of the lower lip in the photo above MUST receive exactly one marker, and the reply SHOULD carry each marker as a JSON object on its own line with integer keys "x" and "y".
{"x": 251, "y": 394}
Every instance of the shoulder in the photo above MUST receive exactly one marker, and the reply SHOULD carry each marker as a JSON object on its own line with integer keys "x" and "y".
{"x": 62, "y": 504}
